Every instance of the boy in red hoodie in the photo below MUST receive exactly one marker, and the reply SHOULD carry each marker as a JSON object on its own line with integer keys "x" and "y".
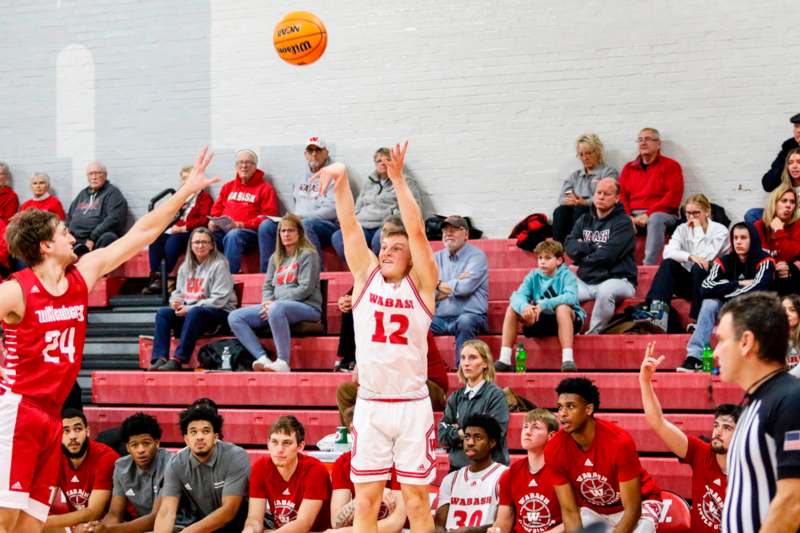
{"x": 247, "y": 200}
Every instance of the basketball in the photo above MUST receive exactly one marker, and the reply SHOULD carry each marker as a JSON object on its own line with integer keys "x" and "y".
{"x": 300, "y": 38}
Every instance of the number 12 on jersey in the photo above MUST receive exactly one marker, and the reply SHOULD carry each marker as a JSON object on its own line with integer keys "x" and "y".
{"x": 397, "y": 336}
{"x": 61, "y": 340}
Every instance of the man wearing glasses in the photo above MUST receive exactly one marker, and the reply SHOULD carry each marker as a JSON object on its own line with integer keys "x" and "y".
{"x": 243, "y": 203}
{"x": 317, "y": 210}
{"x": 651, "y": 188}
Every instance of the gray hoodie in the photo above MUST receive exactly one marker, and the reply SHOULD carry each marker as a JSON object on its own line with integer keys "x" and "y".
{"x": 583, "y": 184}
{"x": 308, "y": 202}
{"x": 296, "y": 279}
{"x": 378, "y": 200}
{"x": 93, "y": 213}
{"x": 210, "y": 285}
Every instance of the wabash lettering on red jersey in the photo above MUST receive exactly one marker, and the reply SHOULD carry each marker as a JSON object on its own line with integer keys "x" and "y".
{"x": 44, "y": 350}
{"x": 708, "y": 486}
{"x": 95, "y": 473}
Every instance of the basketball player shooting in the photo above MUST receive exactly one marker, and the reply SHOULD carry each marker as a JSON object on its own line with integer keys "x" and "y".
{"x": 44, "y": 311}
{"x": 393, "y": 297}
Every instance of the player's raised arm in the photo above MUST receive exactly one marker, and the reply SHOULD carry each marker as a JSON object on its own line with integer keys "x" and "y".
{"x": 360, "y": 259}
{"x": 674, "y": 438}
{"x": 100, "y": 262}
{"x": 425, "y": 271}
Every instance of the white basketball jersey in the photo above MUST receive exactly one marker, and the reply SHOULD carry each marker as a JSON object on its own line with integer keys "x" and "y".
{"x": 473, "y": 496}
{"x": 391, "y": 329}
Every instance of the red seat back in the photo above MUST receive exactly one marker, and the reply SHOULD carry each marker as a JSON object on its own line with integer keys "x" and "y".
{"x": 675, "y": 514}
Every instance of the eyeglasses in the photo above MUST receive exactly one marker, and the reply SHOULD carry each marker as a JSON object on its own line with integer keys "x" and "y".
{"x": 693, "y": 213}
{"x": 647, "y": 139}
{"x": 244, "y": 163}
{"x": 313, "y": 149}
{"x": 201, "y": 243}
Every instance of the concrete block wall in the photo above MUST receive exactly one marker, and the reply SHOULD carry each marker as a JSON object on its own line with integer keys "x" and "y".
{"x": 490, "y": 94}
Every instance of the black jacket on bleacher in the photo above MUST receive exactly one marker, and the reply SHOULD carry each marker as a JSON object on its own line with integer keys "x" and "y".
{"x": 603, "y": 247}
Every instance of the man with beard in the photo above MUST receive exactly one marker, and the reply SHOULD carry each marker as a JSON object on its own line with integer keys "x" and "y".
{"x": 316, "y": 207}
{"x": 86, "y": 472}
{"x": 469, "y": 496}
{"x": 211, "y": 474}
{"x": 595, "y": 465}
{"x": 138, "y": 478}
{"x": 708, "y": 461}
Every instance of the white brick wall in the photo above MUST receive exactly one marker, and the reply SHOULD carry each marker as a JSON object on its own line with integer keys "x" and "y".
{"x": 490, "y": 94}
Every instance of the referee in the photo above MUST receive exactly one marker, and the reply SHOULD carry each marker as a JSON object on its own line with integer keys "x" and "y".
{"x": 764, "y": 456}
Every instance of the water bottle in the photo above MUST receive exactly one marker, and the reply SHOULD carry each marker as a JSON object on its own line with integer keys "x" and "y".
{"x": 708, "y": 359}
{"x": 521, "y": 359}
{"x": 226, "y": 359}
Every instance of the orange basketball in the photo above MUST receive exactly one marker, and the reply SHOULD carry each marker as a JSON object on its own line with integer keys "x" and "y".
{"x": 300, "y": 38}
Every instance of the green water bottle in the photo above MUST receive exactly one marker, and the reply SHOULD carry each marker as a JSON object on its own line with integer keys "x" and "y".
{"x": 708, "y": 359}
{"x": 521, "y": 359}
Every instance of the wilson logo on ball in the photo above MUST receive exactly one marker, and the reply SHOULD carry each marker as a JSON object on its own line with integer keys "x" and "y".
{"x": 300, "y": 38}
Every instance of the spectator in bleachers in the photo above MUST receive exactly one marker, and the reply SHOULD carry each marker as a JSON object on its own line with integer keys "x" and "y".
{"x": 291, "y": 294}
{"x": 98, "y": 214}
{"x": 43, "y": 198}
{"x": 687, "y": 256}
{"x": 200, "y": 303}
{"x": 462, "y": 294}
{"x": 708, "y": 460}
{"x": 85, "y": 476}
{"x": 243, "y": 203}
{"x": 376, "y": 202}
{"x": 478, "y": 395}
{"x": 527, "y": 498}
{"x": 469, "y": 496}
{"x": 777, "y": 173}
{"x": 601, "y": 245}
{"x": 316, "y": 208}
{"x": 212, "y": 475}
{"x": 392, "y": 514}
{"x": 651, "y": 188}
{"x": 295, "y": 487}
{"x": 9, "y": 201}
{"x": 745, "y": 270}
{"x": 172, "y": 243}
{"x": 779, "y": 234}
{"x": 577, "y": 191}
{"x": 591, "y": 452}
{"x": 138, "y": 478}
{"x": 546, "y": 304}
{"x": 5, "y": 259}
{"x": 791, "y": 304}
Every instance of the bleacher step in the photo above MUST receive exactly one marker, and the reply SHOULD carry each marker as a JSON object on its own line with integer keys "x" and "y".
{"x": 135, "y": 300}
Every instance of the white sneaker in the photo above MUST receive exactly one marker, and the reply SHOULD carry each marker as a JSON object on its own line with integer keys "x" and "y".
{"x": 278, "y": 365}
{"x": 260, "y": 364}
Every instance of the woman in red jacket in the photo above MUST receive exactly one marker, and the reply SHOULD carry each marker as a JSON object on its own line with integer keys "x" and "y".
{"x": 43, "y": 197}
{"x": 779, "y": 232}
{"x": 172, "y": 243}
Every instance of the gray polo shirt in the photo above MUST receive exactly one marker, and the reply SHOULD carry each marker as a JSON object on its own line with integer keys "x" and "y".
{"x": 226, "y": 473}
{"x": 140, "y": 487}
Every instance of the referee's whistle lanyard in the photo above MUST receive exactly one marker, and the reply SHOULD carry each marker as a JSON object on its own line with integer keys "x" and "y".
{"x": 755, "y": 386}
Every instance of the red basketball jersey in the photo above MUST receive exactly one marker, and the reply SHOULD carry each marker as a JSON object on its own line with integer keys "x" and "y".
{"x": 44, "y": 350}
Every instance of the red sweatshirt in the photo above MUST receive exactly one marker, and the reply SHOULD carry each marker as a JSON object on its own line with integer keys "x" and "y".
{"x": 784, "y": 244}
{"x": 9, "y": 202}
{"x": 249, "y": 202}
{"x": 198, "y": 215}
{"x": 659, "y": 189}
{"x": 51, "y": 204}
{"x": 3, "y": 245}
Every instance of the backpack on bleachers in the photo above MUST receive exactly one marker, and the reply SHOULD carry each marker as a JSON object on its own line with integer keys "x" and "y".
{"x": 210, "y": 355}
{"x": 531, "y": 230}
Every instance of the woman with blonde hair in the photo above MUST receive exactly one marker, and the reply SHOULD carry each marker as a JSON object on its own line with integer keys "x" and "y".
{"x": 779, "y": 234}
{"x": 691, "y": 250}
{"x": 200, "y": 303}
{"x": 478, "y": 395}
{"x": 577, "y": 191}
{"x": 291, "y": 294}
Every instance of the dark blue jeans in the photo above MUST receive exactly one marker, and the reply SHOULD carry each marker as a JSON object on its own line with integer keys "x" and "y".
{"x": 373, "y": 236}
{"x": 167, "y": 248}
{"x": 188, "y": 329}
{"x": 235, "y": 244}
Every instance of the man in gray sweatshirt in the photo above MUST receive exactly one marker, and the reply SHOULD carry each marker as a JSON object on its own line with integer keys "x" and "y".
{"x": 318, "y": 211}
{"x": 98, "y": 214}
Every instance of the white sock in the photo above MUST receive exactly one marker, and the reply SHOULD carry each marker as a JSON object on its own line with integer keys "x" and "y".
{"x": 505, "y": 355}
{"x": 566, "y": 354}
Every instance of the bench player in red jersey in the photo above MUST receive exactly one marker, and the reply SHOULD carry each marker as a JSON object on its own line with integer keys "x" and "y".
{"x": 44, "y": 310}
{"x": 393, "y": 297}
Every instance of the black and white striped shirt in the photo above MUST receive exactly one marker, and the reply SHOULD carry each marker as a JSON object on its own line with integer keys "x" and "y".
{"x": 765, "y": 448}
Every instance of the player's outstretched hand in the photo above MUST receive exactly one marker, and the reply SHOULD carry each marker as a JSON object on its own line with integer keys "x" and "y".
{"x": 334, "y": 173}
{"x": 197, "y": 180}
{"x": 395, "y": 166}
{"x": 650, "y": 362}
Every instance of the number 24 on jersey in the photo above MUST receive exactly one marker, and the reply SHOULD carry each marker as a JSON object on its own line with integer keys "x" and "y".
{"x": 59, "y": 342}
